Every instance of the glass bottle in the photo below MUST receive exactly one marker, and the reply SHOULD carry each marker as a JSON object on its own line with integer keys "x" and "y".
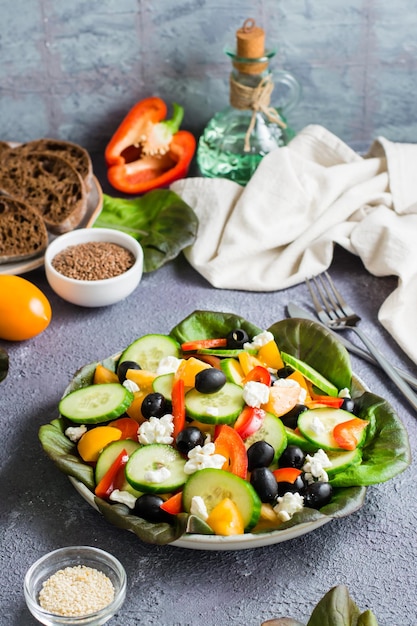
{"x": 238, "y": 137}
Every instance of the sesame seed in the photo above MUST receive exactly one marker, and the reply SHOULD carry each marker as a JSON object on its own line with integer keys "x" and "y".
{"x": 76, "y": 591}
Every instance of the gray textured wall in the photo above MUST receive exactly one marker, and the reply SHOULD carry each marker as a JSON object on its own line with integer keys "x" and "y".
{"x": 73, "y": 69}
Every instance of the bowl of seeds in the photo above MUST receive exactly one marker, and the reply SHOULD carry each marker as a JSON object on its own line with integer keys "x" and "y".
{"x": 94, "y": 267}
{"x": 75, "y": 585}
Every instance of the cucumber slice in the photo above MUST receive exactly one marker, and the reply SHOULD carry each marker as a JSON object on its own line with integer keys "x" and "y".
{"x": 154, "y": 457}
{"x": 148, "y": 350}
{"x": 311, "y": 374}
{"x": 221, "y": 407}
{"x": 110, "y": 453}
{"x": 273, "y": 432}
{"x": 232, "y": 370}
{"x": 342, "y": 460}
{"x": 294, "y": 439}
{"x": 163, "y": 384}
{"x": 96, "y": 403}
{"x": 213, "y": 485}
{"x": 317, "y": 426}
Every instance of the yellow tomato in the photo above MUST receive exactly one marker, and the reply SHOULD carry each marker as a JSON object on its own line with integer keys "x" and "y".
{"x": 24, "y": 310}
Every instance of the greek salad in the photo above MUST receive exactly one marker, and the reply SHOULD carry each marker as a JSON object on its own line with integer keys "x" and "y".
{"x": 221, "y": 427}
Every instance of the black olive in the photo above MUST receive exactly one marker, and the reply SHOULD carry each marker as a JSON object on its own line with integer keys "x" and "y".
{"x": 209, "y": 380}
{"x": 189, "y": 438}
{"x": 317, "y": 494}
{"x": 264, "y": 483}
{"x": 260, "y": 454}
{"x": 290, "y": 419}
{"x": 124, "y": 366}
{"x": 154, "y": 405}
{"x": 298, "y": 486}
{"x": 236, "y": 338}
{"x": 348, "y": 405}
{"x": 292, "y": 456}
{"x": 148, "y": 506}
{"x": 285, "y": 371}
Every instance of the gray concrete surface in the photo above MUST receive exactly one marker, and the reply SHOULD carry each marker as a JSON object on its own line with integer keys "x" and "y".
{"x": 373, "y": 552}
{"x": 73, "y": 69}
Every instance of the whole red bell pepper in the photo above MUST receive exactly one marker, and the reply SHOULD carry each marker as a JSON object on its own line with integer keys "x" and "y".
{"x": 146, "y": 151}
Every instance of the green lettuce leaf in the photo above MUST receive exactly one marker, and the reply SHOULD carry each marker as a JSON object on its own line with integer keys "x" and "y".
{"x": 160, "y": 220}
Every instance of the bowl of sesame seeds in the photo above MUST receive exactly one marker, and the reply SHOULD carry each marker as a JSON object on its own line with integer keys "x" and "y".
{"x": 75, "y": 585}
{"x": 94, "y": 267}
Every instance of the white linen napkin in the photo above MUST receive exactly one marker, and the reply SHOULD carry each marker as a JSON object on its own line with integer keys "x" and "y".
{"x": 303, "y": 199}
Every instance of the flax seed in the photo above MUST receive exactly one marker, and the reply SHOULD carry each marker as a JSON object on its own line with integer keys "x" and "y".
{"x": 93, "y": 260}
{"x": 76, "y": 591}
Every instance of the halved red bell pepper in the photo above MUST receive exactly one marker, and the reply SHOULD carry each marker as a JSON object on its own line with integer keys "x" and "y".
{"x": 228, "y": 443}
{"x": 178, "y": 406}
{"x": 146, "y": 151}
{"x": 348, "y": 434}
{"x": 249, "y": 421}
{"x": 113, "y": 477}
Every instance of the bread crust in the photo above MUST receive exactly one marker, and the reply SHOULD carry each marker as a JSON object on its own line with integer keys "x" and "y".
{"x": 49, "y": 184}
{"x": 23, "y": 233}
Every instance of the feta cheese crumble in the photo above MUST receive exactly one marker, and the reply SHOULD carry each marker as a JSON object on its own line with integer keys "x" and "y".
{"x": 344, "y": 393}
{"x": 158, "y": 475}
{"x": 287, "y": 505}
{"x": 202, "y": 457}
{"x": 168, "y": 365}
{"x": 157, "y": 430}
{"x": 255, "y": 394}
{"x": 317, "y": 427}
{"x": 74, "y": 433}
{"x": 259, "y": 340}
{"x": 131, "y": 385}
{"x": 124, "y": 497}
{"x": 315, "y": 467}
{"x": 198, "y": 507}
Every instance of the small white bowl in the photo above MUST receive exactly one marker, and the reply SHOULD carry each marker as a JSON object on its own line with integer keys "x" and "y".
{"x": 73, "y": 556}
{"x": 94, "y": 293}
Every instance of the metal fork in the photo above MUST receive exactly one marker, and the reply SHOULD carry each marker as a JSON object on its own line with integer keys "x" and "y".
{"x": 335, "y": 313}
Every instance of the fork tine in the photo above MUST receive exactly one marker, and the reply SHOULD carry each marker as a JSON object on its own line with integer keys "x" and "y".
{"x": 346, "y": 309}
{"x": 324, "y": 314}
{"x": 330, "y": 293}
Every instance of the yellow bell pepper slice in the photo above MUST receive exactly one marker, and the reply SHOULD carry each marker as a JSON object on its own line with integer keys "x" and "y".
{"x": 270, "y": 355}
{"x": 226, "y": 519}
{"x": 93, "y": 441}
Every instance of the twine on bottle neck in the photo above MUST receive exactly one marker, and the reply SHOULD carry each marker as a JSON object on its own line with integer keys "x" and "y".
{"x": 255, "y": 98}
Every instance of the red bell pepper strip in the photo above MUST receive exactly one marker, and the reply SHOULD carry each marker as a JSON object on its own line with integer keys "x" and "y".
{"x": 318, "y": 401}
{"x": 228, "y": 443}
{"x": 249, "y": 421}
{"x": 348, "y": 434}
{"x": 146, "y": 151}
{"x": 258, "y": 374}
{"x": 198, "y": 344}
{"x": 286, "y": 474}
{"x": 111, "y": 478}
{"x": 128, "y": 426}
{"x": 178, "y": 406}
{"x": 174, "y": 504}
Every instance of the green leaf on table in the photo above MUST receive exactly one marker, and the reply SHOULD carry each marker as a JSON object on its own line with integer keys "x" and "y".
{"x": 4, "y": 364}
{"x": 160, "y": 220}
{"x": 210, "y": 324}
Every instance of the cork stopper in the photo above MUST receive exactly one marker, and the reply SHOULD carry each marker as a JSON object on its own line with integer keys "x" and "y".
{"x": 250, "y": 40}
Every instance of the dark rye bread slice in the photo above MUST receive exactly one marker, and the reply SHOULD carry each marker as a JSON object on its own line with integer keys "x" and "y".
{"x": 49, "y": 184}
{"x": 75, "y": 154}
{"x": 23, "y": 233}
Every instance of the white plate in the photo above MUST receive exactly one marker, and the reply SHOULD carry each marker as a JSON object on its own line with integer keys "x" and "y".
{"x": 94, "y": 206}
